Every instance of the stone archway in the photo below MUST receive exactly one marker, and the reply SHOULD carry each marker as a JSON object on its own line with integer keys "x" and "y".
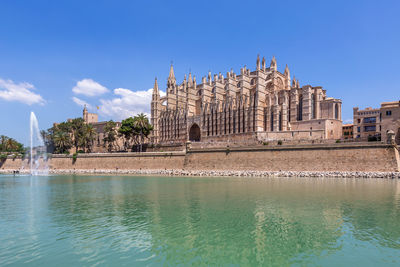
{"x": 194, "y": 133}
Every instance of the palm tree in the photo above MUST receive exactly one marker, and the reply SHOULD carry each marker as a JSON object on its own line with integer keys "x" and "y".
{"x": 3, "y": 140}
{"x": 10, "y": 145}
{"x": 142, "y": 127}
{"x": 110, "y": 134}
{"x": 89, "y": 137}
{"x": 62, "y": 141}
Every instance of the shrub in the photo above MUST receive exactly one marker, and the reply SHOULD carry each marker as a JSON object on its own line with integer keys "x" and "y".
{"x": 80, "y": 151}
{"x": 338, "y": 141}
{"x": 3, "y": 156}
{"x": 372, "y": 138}
{"x": 280, "y": 142}
{"x": 74, "y": 157}
{"x": 265, "y": 143}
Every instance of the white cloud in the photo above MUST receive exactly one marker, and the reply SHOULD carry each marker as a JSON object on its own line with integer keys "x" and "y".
{"x": 347, "y": 121}
{"x": 127, "y": 103}
{"x": 81, "y": 102}
{"x": 21, "y": 92}
{"x": 88, "y": 87}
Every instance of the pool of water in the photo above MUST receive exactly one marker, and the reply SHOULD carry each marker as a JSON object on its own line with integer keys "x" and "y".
{"x": 152, "y": 221}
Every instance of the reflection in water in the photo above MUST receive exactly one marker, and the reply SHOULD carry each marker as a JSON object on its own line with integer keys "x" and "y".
{"x": 85, "y": 220}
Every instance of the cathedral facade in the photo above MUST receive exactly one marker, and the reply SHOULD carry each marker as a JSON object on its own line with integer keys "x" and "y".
{"x": 260, "y": 105}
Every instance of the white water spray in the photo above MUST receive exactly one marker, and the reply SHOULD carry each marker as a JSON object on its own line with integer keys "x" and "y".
{"x": 38, "y": 155}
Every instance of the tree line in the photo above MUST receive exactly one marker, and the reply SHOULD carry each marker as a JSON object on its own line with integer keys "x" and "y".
{"x": 75, "y": 133}
{"x": 9, "y": 145}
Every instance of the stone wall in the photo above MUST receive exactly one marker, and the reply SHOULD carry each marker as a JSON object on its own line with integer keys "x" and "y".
{"x": 322, "y": 157}
{"x": 317, "y": 157}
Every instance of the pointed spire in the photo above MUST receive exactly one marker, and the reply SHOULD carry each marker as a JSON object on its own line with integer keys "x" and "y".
{"x": 155, "y": 87}
{"x": 273, "y": 65}
{"x": 263, "y": 63}
{"x": 258, "y": 62}
{"x": 171, "y": 72}
{"x": 287, "y": 72}
{"x": 171, "y": 83}
{"x": 156, "y": 92}
{"x": 294, "y": 82}
{"x": 190, "y": 80}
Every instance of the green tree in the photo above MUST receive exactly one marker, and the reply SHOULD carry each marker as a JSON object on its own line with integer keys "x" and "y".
{"x": 62, "y": 141}
{"x": 78, "y": 133}
{"x": 88, "y": 137}
{"x": 110, "y": 135}
{"x": 8, "y": 144}
{"x": 142, "y": 128}
{"x": 127, "y": 131}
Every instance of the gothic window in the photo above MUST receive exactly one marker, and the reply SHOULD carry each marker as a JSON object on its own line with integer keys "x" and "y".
{"x": 238, "y": 113}
{"x": 238, "y": 84}
{"x": 244, "y": 120}
{"x": 208, "y": 126}
{"x": 234, "y": 121}
{"x": 336, "y": 111}
{"x": 312, "y": 106}
{"x": 300, "y": 109}
{"x": 229, "y": 125}
{"x": 212, "y": 122}
{"x": 225, "y": 121}
{"x": 272, "y": 121}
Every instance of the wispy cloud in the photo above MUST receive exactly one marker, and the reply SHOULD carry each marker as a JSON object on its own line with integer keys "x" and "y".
{"x": 20, "y": 92}
{"x": 90, "y": 88}
{"x": 347, "y": 121}
{"x": 126, "y": 103}
{"x": 81, "y": 102}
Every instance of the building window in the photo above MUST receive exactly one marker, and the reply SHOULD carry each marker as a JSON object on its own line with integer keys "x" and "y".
{"x": 370, "y": 120}
{"x": 336, "y": 111}
{"x": 300, "y": 109}
{"x": 312, "y": 106}
{"x": 358, "y": 129}
{"x": 359, "y": 121}
{"x": 388, "y": 112}
{"x": 370, "y": 128}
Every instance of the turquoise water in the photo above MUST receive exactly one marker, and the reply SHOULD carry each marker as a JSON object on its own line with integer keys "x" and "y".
{"x": 152, "y": 221}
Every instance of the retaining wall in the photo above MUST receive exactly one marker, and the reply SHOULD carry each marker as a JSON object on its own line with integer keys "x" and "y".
{"x": 321, "y": 157}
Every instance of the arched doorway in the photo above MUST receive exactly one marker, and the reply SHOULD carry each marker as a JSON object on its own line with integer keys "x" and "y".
{"x": 194, "y": 133}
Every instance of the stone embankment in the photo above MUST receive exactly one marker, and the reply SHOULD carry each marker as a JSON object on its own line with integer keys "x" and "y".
{"x": 223, "y": 173}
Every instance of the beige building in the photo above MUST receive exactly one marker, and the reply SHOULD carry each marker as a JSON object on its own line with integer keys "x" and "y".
{"x": 263, "y": 104}
{"x": 390, "y": 119}
{"x": 347, "y": 131}
{"x": 377, "y": 122}
{"x": 366, "y": 123}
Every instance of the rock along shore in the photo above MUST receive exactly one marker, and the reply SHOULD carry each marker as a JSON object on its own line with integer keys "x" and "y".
{"x": 223, "y": 173}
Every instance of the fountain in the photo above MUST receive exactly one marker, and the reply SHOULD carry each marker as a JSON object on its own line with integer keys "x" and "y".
{"x": 38, "y": 151}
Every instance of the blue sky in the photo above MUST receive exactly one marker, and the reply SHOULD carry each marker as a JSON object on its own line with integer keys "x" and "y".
{"x": 112, "y": 50}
